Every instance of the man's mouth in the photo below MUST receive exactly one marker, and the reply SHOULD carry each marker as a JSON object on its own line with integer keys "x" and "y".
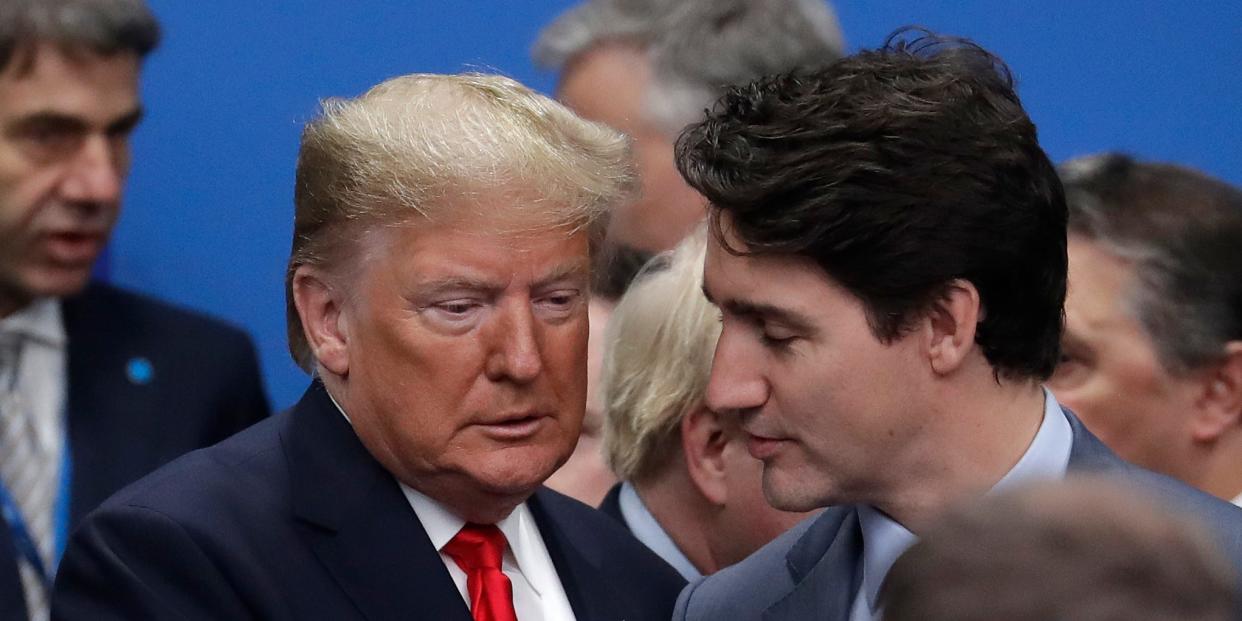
{"x": 74, "y": 248}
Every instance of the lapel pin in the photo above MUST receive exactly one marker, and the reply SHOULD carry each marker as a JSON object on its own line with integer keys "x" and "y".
{"x": 139, "y": 371}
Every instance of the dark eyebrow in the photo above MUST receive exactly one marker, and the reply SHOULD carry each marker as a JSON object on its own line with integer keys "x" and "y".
{"x": 127, "y": 122}
{"x": 70, "y": 123}
{"x": 785, "y": 317}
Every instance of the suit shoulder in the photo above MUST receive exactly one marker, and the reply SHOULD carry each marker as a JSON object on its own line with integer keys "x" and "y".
{"x": 746, "y": 589}
{"x": 243, "y": 474}
{"x": 103, "y": 303}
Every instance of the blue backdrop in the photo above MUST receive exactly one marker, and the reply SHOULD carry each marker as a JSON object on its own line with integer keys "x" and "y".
{"x": 209, "y": 205}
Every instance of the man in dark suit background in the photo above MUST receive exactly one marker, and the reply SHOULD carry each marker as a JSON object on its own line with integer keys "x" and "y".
{"x": 97, "y": 386}
{"x": 437, "y": 290}
{"x": 889, "y": 259}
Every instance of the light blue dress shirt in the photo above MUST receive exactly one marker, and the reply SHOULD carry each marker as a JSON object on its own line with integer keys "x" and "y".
{"x": 647, "y": 530}
{"x": 884, "y": 540}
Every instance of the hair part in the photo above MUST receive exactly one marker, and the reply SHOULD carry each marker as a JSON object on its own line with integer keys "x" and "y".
{"x": 697, "y": 47}
{"x": 1181, "y": 230}
{"x": 103, "y": 27}
{"x": 430, "y": 148}
{"x": 660, "y": 342}
{"x": 898, "y": 170}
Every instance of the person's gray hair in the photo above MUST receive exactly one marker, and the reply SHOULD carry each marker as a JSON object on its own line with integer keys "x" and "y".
{"x": 103, "y": 27}
{"x": 1181, "y": 230}
{"x": 697, "y": 47}
{"x": 658, "y": 358}
{"x": 426, "y": 147}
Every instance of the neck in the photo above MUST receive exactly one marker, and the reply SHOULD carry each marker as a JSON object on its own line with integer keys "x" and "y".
{"x": 683, "y": 513}
{"x": 1221, "y": 474}
{"x": 976, "y": 438}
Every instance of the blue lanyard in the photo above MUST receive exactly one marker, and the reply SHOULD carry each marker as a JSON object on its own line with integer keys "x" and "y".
{"x": 22, "y": 540}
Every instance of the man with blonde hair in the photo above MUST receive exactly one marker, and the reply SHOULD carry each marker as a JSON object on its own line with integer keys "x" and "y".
{"x": 437, "y": 291}
{"x": 689, "y": 490}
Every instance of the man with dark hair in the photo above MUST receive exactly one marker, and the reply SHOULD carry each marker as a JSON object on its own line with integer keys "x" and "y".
{"x": 1152, "y": 354}
{"x": 889, "y": 262}
{"x": 648, "y": 68}
{"x": 1085, "y": 550}
{"x": 97, "y": 385}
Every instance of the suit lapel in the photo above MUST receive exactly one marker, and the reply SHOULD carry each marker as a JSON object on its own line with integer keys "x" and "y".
{"x": 359, "y": 523}
{"x": 825, "y": 558}
{"x": 577, "y": 557}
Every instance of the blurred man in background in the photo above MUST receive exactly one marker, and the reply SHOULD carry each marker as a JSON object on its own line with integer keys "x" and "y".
{"x": 1152, "y": 353}
{"x": 1087, "y": 550}
{"x": 689, "y": 489}
{"x": 650, "y": 67}
{"x": 97, "y": 386}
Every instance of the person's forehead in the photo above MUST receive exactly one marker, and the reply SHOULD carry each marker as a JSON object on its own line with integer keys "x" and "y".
{"x": 72, "y": 83}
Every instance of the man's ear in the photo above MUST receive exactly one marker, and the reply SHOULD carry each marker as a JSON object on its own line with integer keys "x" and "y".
{"x": 703, "y": 440}
{"x": 1219, "y": 406}
{"x": 951, "y": 324}
{"x": 320, "y": 307}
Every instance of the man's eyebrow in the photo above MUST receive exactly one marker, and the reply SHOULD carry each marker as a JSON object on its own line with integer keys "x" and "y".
{"x": 564, "y": 271}
{"x": 46, "y": 119}
{"x": 126, "y": 122}
{"x": 68, "y": 122}
{"x": 746, "y": 308}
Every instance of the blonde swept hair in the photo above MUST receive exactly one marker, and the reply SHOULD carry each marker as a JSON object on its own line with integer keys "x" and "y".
{"x": 424, "y": 147}
{"x": 660, "y": 342}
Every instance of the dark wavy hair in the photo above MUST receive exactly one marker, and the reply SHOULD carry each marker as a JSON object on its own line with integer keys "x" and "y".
{"x": 898, "y": 170}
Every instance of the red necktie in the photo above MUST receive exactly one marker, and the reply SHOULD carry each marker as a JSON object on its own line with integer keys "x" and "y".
{"x": 478, "y": 550}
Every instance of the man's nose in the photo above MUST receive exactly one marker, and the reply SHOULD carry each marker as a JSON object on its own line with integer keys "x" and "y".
{"x": 736, "y": 383}
{"x": 95, "y": 173}
{"x": 516, "y": 355}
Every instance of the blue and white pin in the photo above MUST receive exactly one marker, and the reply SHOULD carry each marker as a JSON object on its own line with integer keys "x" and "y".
{"x": 140, "y": 371}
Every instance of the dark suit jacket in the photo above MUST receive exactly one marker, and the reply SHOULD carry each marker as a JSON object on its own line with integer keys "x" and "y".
{"x": 205, "y": 386}
{"x": 293, "y": 519}
{"x": 611, "y": 505}
{"x": 811, "y": 572}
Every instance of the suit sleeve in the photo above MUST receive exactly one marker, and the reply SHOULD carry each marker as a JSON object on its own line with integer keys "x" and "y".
{"x": 136, "y": 563}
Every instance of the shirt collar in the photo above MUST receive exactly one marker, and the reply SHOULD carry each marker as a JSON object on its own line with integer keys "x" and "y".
{"x": 518, "y": 527}
{"x": 884, "y": 540}
{"x": 647, "y": 530}
{"x": 39, "y": 321}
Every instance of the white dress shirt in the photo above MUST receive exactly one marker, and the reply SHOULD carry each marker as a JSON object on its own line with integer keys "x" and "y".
{"x": 646, "y": 529}
{"x": 537, "y": 591}
{"x": 884, "y": 540}
{"x": 41, "y": 378}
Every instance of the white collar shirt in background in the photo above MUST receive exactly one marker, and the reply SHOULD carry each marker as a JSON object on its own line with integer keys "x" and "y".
{"x": 646, "y": 529}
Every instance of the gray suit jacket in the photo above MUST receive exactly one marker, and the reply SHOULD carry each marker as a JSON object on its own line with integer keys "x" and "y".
{"x": 811, "y": 572}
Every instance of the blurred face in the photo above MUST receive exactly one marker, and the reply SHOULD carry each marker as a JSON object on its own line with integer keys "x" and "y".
{"x": 586, "y": 475}
{"x": 64, "y": 153}
{"x": 1110, "y": 374}
{"x": 607, "y": 84}
{"x": 467, "y": 356}
{"x": 828, "y": 408}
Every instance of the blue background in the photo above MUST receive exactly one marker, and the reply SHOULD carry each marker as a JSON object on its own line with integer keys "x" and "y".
{"x": 209, "y": 203}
